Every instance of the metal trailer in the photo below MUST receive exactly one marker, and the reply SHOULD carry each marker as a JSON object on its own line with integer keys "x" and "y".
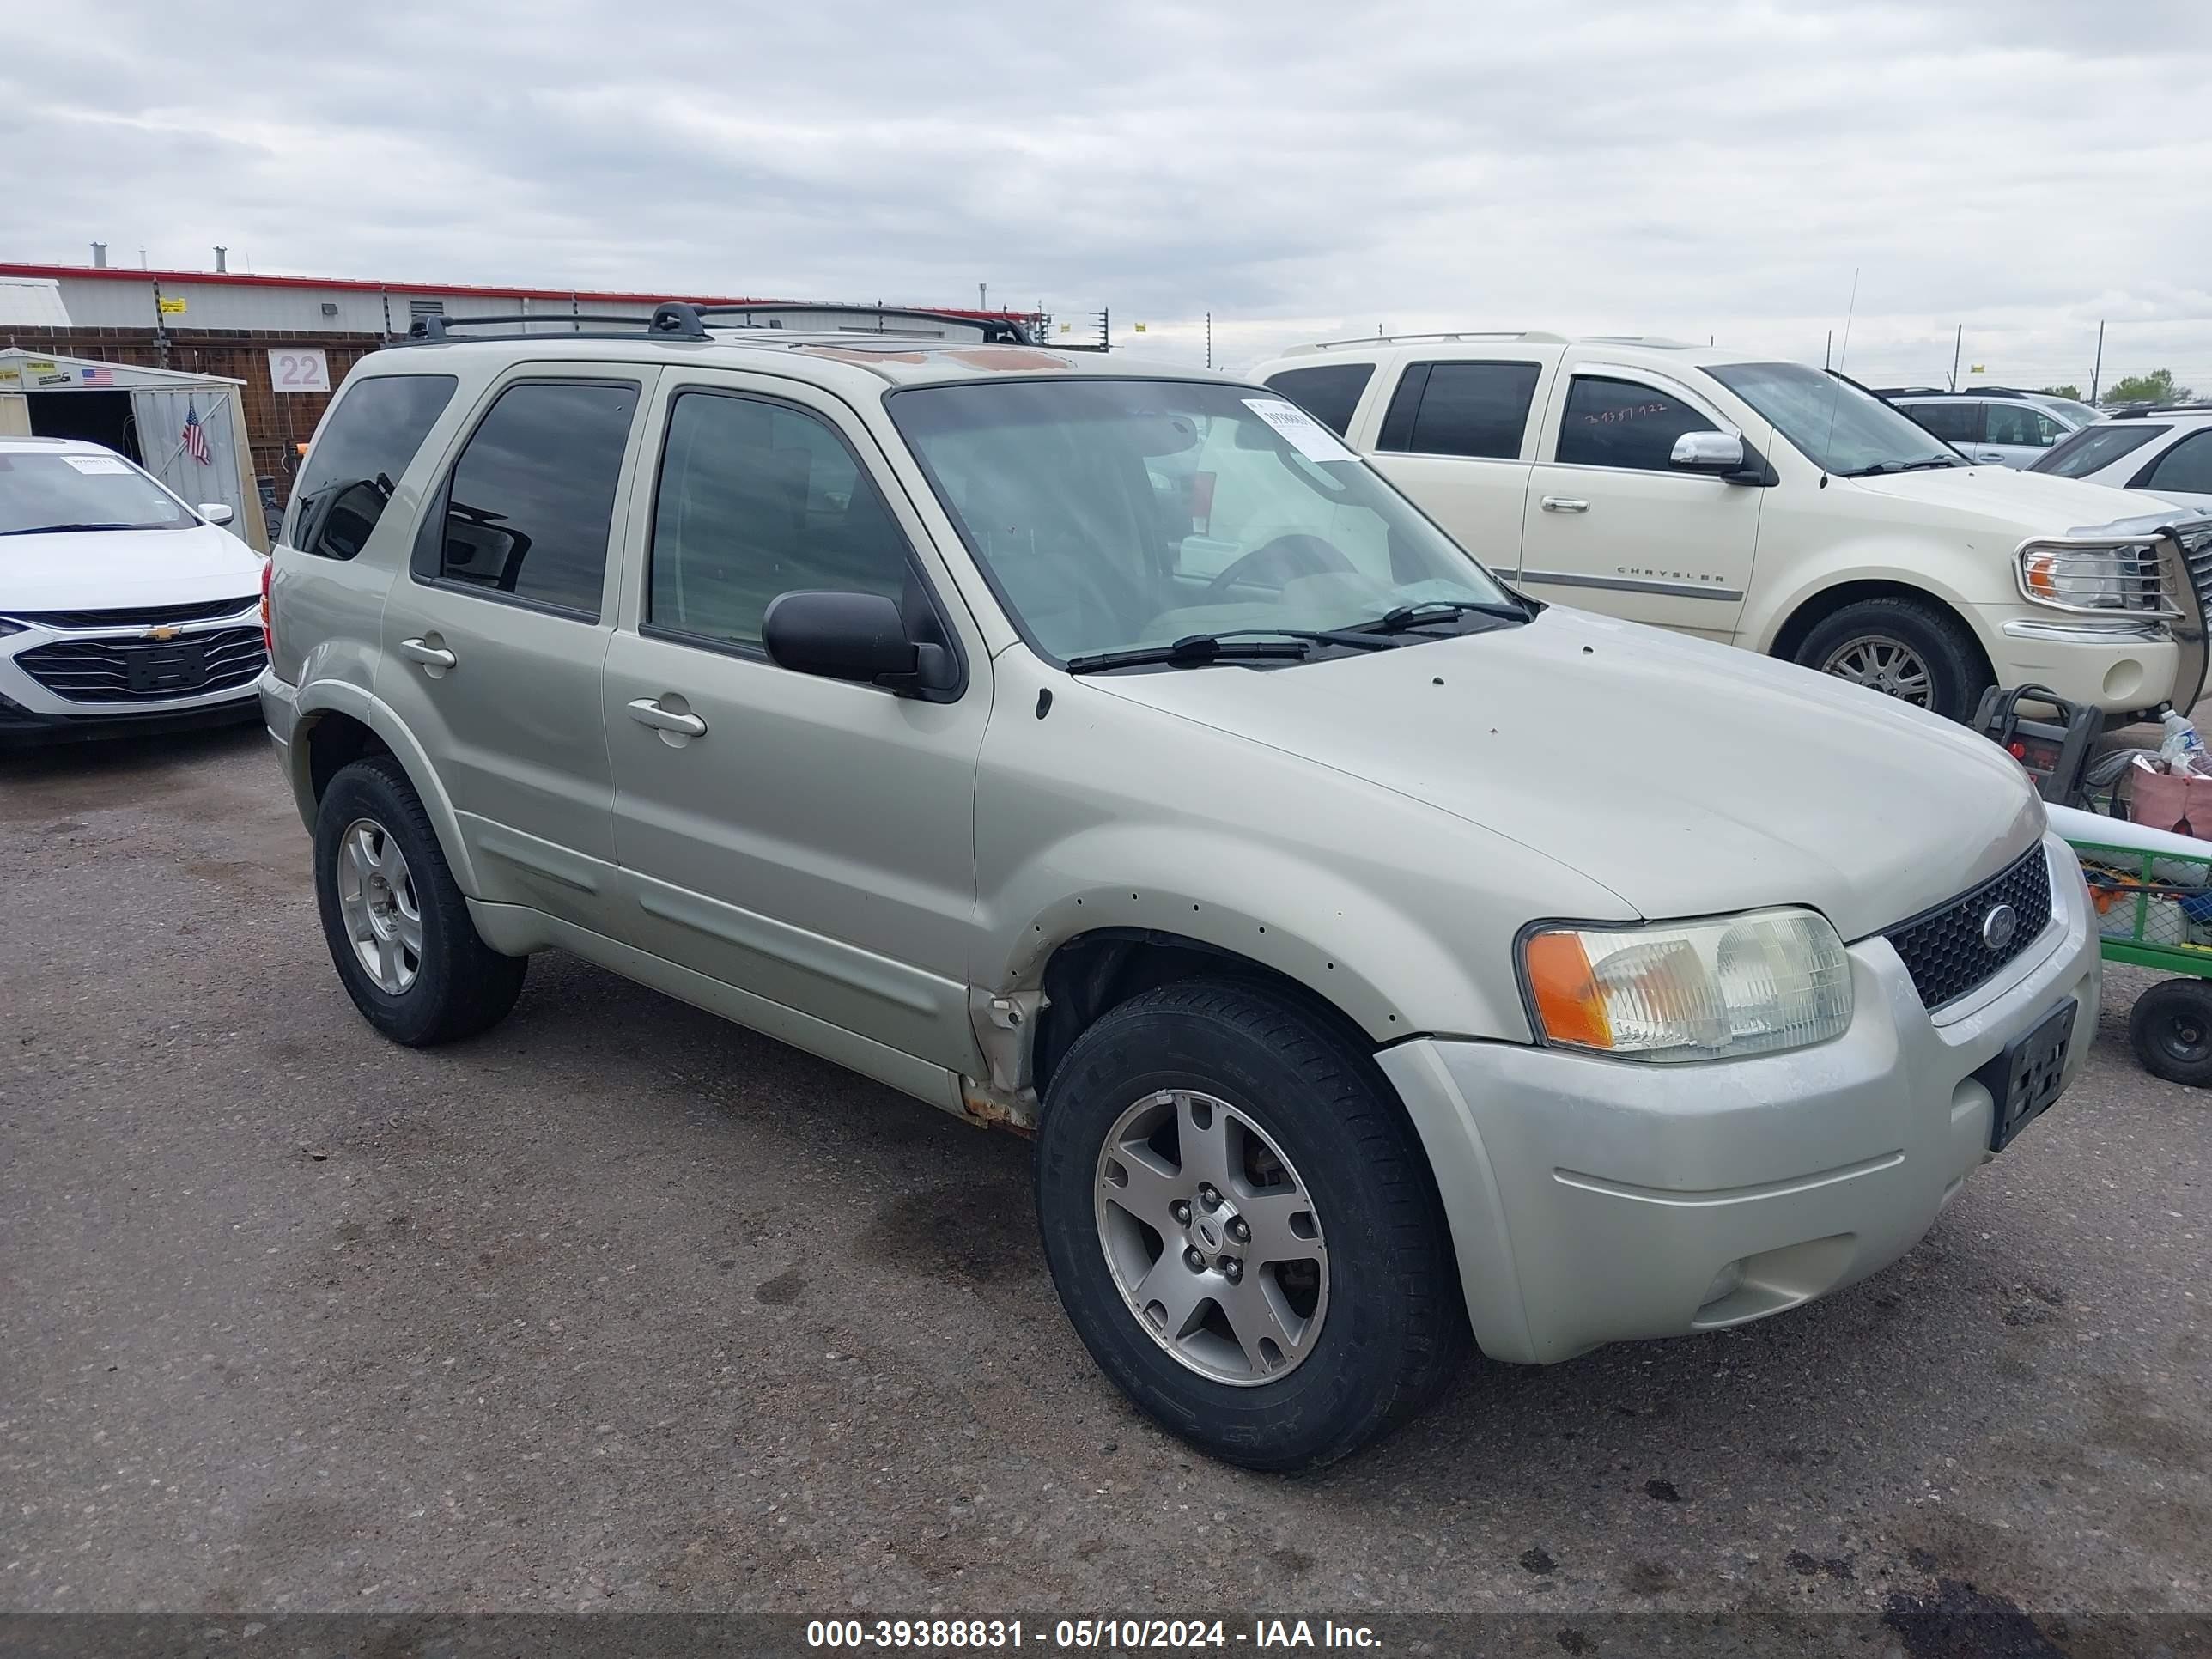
{"x": 2154, "y": 909}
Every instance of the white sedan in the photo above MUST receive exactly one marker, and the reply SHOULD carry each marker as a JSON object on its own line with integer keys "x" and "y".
{"x": 2164, "y": 452}
{"x": 122, "y": 610}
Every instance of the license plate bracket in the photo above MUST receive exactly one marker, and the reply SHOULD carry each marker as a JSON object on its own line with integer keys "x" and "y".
{"x": 155, "y": 668}
{"x": 2026, "y": 1077}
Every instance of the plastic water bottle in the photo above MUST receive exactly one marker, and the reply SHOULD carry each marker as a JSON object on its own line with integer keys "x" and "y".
{"x": 2183, "y": 752}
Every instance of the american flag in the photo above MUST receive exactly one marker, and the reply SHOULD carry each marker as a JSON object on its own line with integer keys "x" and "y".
{"x": 196, "y": 443}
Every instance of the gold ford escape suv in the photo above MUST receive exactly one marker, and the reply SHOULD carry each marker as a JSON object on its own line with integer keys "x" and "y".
{"x": 1106, "y": 752}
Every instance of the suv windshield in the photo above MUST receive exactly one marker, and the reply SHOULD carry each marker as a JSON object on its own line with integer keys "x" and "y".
{"x": 45, "y": 490}
{"x": 1838, "y": 427}
{"x": 2095, "y": 447}
{"x": 1113, "y": 515}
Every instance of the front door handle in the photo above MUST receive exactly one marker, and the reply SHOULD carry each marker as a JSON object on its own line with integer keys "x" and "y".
{"x": 646, "y": 712}
{"x": 1565, "y": 504}
{"x": 430, "y": 656}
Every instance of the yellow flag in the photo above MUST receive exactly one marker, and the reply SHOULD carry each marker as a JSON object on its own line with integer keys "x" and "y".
{"x": 1140, "y": 328}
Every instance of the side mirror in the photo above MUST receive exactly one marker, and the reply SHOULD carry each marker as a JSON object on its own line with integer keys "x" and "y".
{"x": 1719, "y": 453}
{"x": 854, "y": 636}
{"x": 213, "y": 511}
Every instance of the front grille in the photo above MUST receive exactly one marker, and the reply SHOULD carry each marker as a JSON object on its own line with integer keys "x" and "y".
{"x": 1944, "y": 949}
{"x": 138, "y": 670}
{"x": 144, "y": 615}
{"x": 2196, "y": 558}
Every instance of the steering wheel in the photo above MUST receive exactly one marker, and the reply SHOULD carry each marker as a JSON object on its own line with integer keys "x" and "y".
{"x": 1299, "y": 555}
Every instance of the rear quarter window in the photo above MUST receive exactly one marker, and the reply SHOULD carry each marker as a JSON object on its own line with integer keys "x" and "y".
{"x": 353, "y": 467}
{"x": 1329, "y": 393}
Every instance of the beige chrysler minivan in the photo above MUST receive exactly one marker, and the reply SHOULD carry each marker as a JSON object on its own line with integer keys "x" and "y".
{"x": 919, "y": 701}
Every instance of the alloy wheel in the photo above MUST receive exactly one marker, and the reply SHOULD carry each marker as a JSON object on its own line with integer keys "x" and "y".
{"x": 1883, "y": 664}
{"x": 1212, "y": 1238}
{"x": 377, "y": 899}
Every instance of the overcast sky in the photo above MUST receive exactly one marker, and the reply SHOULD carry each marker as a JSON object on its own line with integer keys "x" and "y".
{"x": 1303, "y": 170}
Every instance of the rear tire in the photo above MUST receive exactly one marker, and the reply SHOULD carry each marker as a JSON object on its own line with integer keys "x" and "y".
{"x": 1359, "y": 1321}
{"x": 2170, "y": 1031}
{"x": 397, "y": 927}
{"x": 1910, "y": 649}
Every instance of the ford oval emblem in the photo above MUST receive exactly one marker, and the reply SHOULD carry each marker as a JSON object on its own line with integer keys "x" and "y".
{"x": 1999, "y": 926}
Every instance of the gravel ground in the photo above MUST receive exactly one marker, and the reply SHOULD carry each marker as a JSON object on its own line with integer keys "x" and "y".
{"x": 623, "y": 1307}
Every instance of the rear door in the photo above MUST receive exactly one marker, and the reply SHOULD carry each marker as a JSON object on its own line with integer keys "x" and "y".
{"x": 1956, "y": 420}
{"x": 1613, "y": 527}
{"x": 2184, "y": 473}
{"x": 809, "y": 841}
{"x": 1458, "y": 437}
{"x": 493, "y": 640}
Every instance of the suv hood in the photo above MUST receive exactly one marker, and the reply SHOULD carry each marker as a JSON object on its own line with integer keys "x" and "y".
{"x": 2028, "y": 503}
{"x": 1689, "y": 779}
{"x": 112, "y": 569}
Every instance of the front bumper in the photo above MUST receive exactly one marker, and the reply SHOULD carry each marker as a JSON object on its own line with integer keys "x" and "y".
{"x": 32, "y": 711}
{"x": 1594, "y": 1200}
{"x": 2115, "y": 666}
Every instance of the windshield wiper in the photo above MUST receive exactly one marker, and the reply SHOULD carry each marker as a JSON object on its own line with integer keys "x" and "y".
{"x": 50, "y": 529}
{"x": 1231, "y": 645}
{"x": 1902, "y": 466}
{"x": 1428, "y": 611}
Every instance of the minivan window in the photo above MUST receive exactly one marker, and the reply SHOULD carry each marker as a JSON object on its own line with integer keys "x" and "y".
{"x": 2096, "y": 447}
{"x": 2022, "y": 425}
{"x": 1959, "y": 422}
{"x": 1479, "y": 410}
{"x": 2187, "y": 465}
{"x": 365, "y": 446}
{"x": 1329, "y": 393}
{"x": 1623, "y": 423}
{"x": 532, "y": 499}
{"x": 1839, "y": 427}
{"x": 1113, "y": 514}
{"x": 758, "y": 499}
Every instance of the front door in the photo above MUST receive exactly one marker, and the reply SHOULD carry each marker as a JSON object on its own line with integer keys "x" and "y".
{"x": 807, "y": 840}
{"x": 492, "y": 639}
{"x": 1611, "y": 526}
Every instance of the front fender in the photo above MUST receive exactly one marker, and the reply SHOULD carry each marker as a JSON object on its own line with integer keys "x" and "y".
{"x": 1772, "y": 608}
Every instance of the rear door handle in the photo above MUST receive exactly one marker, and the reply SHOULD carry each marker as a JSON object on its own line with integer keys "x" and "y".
{"x": 645, "y": 711}
{"x": 1565, "y": 504}
{"x": 430, "y": 656}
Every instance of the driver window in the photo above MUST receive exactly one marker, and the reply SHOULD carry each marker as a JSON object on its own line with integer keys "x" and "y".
{"x": 1623, "y": 423}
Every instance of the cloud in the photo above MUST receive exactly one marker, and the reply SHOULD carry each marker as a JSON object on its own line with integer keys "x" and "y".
{"x": 1300, "y": 169}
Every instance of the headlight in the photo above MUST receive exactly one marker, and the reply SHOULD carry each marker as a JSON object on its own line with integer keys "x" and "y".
{"x": 1701, "y": 990}
{"x": 2122, "y": 576}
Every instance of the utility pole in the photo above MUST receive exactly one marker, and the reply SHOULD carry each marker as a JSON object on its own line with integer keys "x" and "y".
{"x": 2097, "y": 374}
{"x": 1209, "y": 339}
{"x": 1957, "y": 341}
{"x": 1828, "y": 351}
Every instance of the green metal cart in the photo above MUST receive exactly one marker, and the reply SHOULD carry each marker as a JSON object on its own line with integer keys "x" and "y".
{"x": 2154, "y": 909}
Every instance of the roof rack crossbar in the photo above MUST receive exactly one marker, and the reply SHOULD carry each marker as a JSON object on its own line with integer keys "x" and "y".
{"x": 996, "y": 331}
{"x": 437, "y": 325}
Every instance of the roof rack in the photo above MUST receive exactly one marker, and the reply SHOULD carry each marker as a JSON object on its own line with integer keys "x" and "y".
{"x": 1910, "y": 391}
{"x": 2137, "y": 411}
{"x": 675, "y": 319}
{"x": 1528, "y": 336}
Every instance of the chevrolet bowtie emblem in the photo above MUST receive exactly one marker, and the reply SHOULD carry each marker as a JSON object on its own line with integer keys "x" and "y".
{"x": 163, "y": 633}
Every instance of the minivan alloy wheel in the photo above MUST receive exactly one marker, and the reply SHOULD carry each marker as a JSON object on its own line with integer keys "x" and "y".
{"x": 382, "y": 912}
{"x": 1884, "y": 665}
{"x": 1211, "y": 1238}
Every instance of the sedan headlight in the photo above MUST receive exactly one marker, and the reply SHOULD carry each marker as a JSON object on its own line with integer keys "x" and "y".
{"x": 2118, "y": 576}
{"x": 1699, "y": 990}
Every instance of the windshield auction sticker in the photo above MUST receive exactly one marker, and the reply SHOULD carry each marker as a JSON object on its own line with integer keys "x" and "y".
{"x": 1307, "y": 435}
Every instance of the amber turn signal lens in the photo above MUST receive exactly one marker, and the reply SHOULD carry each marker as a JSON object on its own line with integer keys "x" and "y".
{"x": 1567, "y": 1002}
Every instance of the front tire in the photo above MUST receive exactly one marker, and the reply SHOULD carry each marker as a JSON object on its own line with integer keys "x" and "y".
{"x": 1905, "y": 648}
{"x": 397, "y": 927}
{"x": 1242, "y": 1227}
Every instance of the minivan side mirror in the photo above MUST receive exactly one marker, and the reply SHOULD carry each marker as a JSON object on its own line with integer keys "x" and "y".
{"x": 213, "y": 511}
{"x": 1720, "y": 453}
{"x": 854, "y": 636}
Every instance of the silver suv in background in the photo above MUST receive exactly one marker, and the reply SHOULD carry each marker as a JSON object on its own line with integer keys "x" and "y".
{"x": 1995, "y": 423}
{"x": 921, "y": 703}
